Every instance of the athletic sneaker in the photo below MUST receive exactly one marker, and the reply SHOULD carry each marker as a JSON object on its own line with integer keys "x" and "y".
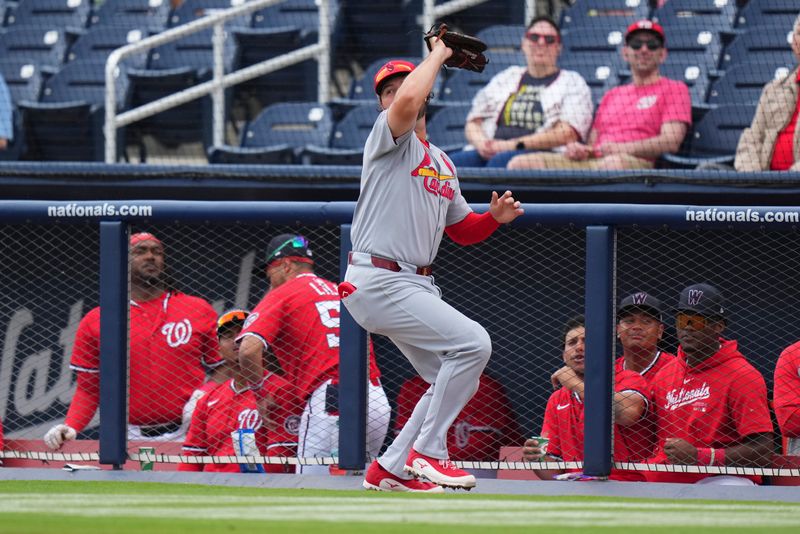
{"x": 379, "y": 479}
{"x": 441, "y": 472}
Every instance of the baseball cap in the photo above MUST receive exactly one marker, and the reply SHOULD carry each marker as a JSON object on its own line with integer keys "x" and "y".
{"x": 143, "y": 236}
{"x": 646, "y": 25}
{"x": 230, "y": 318}
{"x": 285, "y": 246}
{"x": 389, "y": 69}
{"x": 702, "y": 299}
{"x": 642, "y": 301}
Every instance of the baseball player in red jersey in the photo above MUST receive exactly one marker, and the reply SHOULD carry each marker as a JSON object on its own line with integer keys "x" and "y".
{"x": 410, "y": 195}
{"x": 485, "y": 424}
{"x": 710, "y": 404}
{"x": 564, "y": 415}
{"x": 640, "y": 325}
{"x": 172, "y": 338}
{"x": 296, "y": 328}
{"x": 233, "y": 405}
{"x": 787, "y": 397}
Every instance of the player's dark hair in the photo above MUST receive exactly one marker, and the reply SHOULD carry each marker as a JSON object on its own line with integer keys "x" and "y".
{"x": 573, "y": 323}
{"x": 548, "y": 19}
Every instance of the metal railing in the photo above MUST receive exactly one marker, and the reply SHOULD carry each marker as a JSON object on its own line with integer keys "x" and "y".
{"x": 220, "y": 81}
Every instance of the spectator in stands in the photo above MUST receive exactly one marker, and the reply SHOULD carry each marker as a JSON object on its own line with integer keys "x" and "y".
{"x": 232, "y": 406}
{"x": 787, "y": 397}
{"x": 6, "y": 116}
{"x": 635, "y": 123}
{"x": 772, "y": 143}
{"x": 172, "y": 338}
{"x": 537, "y": 107}
{"x": 710, "y": 404}
{"x": 485, "y": 424}
{"x": 563, "y": 418}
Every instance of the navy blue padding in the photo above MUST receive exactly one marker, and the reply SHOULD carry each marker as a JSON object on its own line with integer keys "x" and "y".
{"x": 50, "y": 13}
{"x": 743, "y": 83}
{"x": 446, "y": 127}
{"x": 45, "y": 46}
{"x": 778, "y": 14}
{"x": 760, "y": 44}
{"x": 98, "y": 42}
{"x": 150, "y": 14}
{"x": 696, "y": 15}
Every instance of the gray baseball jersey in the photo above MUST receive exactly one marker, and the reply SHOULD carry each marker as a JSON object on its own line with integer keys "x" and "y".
{"x": 409, "y": 193}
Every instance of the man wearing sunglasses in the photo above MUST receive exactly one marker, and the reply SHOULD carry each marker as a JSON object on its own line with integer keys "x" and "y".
{"x": 294, "y": 331}
{"x": 710, "y": 403}
{"x": 635, "y": 123}
{"x": 172, "y": 341}
{"x": 533, "y": 107}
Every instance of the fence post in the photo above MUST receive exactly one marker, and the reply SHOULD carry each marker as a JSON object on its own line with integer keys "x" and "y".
{"x": 352, "y": 378}
{"x": 599, "y": 304}
{"x": 115, "y": 307}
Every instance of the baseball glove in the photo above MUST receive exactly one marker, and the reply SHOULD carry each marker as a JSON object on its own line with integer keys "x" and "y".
{"x": 467, "y": 50}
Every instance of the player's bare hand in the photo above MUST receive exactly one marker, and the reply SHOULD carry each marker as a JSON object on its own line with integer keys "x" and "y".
{"x": 504, "y": 208}
{"x": 566, "y": 377}
{"x": 531, "y": 451}
{"x": 680, "y": 451}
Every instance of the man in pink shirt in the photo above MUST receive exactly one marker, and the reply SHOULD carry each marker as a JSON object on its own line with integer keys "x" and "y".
{"x": 634, "y": 123}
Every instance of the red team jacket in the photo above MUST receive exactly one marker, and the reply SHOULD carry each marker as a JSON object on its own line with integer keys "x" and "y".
{"x": 563, "y": 424}
{"x": 225, "y": 409}
{"x": 484, "y": 425}
{"x": 299, "y": 321}
{"x": 787, "y": 391}
{"x": 715, "y": 404}
{"x": 171, "y": 337}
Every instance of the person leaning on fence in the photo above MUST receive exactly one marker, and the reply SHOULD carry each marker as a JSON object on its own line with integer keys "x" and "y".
{"x": 564, "y": 414}
{"x": 787, "y": 397}
{"x": 710, "y": 403}
{"x": 772, "y": 142}
{"x": 172, "y": 341}
{"x": 532, "y": 107}
{"x": 295, "y": 328}
{"x": 233, "y": 406}
{"x": 635, "y": 123}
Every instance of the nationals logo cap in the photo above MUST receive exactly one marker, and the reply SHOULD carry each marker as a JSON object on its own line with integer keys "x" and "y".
{"x": 640, "y": 301}
{"x": 389, "y": 69}
{"x": 648, "y": 26}
{"x": 702, "y": 299}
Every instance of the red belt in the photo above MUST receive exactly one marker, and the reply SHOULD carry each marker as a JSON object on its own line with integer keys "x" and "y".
{"x": 392, "y": 265}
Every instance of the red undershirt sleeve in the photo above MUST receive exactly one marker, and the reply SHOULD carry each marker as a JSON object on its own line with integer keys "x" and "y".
{"x": 472, "y": 229}
{"x": 84, "y": 402}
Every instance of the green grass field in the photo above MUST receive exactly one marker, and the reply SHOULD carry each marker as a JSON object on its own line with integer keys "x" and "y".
{"x": 110, "y": 507}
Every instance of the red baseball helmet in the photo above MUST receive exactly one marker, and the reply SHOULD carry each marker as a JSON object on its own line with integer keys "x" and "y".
{"x": 391, "y": 68}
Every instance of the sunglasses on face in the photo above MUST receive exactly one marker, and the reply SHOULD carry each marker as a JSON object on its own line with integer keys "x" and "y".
{"x": 684, "y": 320}
{"x": 235, "y": 315}
{"x": 651, "y": 44}
{"x": 296, "y": 242}
{"x": 536, "y": 38}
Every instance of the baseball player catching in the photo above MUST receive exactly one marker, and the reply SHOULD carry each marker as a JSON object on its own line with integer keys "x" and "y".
{"x": 409, "y": 197}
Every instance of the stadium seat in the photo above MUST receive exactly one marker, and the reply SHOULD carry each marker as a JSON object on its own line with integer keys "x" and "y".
{"x": 190, "y": 10}
{"x": 593, "y": 45}
{"x": 743, "y": 83}
{"x": 477, "y": 17}
{"x": 604, "y": 14}
{"x": 67, "y": 123}
{"x": 600, "y": 77}
{"x": 694, "y": 47}
{"x": 278, "y": 134}
{"x": 23, "y": 78}
{"x": 503, "y": 39}
{"x": 462, "y": 85}
{"x": 697, "y": 15}
{"x": 150, "y": 14}
{"x": 715, "y": 137}
{"x": 303, "y": 14}
{"x": 693, "y": 74}
{"x": 777, "y": 14}
{"x": 346, "y": 145}
{"x": 45, "y": 47}
{"x": 760, "y": 44}
{"x": 446, "y": 127}
{"x": 63, "y": 14}
{"x": 99, "y": 42}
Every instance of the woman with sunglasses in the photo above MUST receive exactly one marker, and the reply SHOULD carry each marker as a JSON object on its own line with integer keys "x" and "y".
{"x": 635, "y": 123}
{"x": 532, "y": 107}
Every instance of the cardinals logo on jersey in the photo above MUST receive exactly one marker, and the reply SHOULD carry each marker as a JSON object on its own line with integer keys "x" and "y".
{"x": 434, "y": 182}
{"x": 177, "y": 333}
